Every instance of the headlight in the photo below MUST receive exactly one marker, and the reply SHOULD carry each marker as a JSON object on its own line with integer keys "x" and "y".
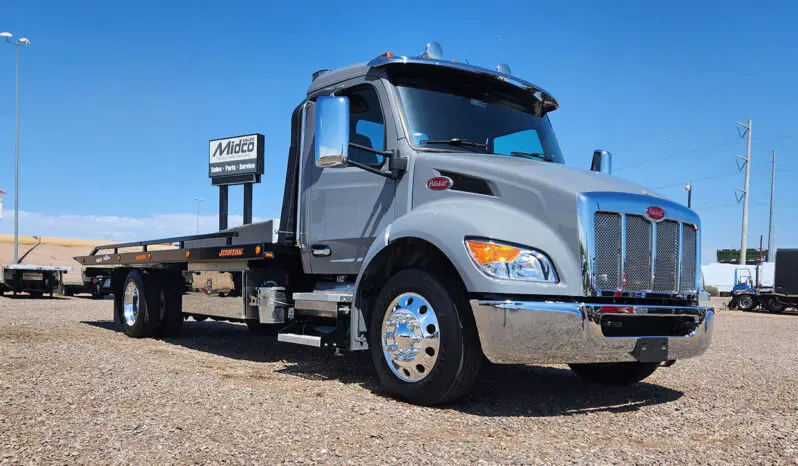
{"x": 505, "y": 261}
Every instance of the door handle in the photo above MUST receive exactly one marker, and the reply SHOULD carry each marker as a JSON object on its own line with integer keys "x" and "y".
{"x": 320, "y": 250}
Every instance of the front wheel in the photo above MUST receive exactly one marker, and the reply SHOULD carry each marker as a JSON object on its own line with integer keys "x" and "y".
{"x": 745, "y": 303}
{"x": 423, "y": 339}
{"x": 617, "y": 373}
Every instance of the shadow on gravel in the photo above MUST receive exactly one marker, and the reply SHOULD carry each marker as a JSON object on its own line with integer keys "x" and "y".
{"x": 23, "y": 296}
{"x": 501, "y": 390}
{"x": 504, "y": 390}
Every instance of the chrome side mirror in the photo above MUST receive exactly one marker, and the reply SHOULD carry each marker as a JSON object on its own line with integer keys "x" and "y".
{"x": 602, "y": 162}
{"x": 332, "y": 131}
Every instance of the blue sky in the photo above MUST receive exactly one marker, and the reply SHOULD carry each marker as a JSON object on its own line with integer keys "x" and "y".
{"x": 119, "y": 99}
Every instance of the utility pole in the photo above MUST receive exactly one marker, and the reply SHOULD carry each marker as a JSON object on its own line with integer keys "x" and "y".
{"x": 21, "y": 42}
{"x": 759, "y": 262}
{"x": 771, "y": 252}
{"x": 198, "y": 199}
{"x": 744, "y": 235}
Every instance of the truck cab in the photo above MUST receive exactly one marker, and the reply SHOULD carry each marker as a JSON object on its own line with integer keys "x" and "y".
{"x": 429, "y": 217}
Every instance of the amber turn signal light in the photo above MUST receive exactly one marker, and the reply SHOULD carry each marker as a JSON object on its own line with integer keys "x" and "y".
{"x": 485, "y": 252}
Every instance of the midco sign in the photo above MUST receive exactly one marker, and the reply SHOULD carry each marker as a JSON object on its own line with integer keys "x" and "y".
{"x": 240, "y": 155}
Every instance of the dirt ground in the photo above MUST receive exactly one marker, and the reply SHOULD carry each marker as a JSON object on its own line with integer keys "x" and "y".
{"x": 75, "y": 390}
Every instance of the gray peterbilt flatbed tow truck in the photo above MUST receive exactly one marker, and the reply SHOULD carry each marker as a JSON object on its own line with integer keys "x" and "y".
{"x": 428, "y": 217}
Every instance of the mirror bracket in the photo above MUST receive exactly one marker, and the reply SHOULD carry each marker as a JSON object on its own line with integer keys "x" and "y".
{"x": 396, "y": 164}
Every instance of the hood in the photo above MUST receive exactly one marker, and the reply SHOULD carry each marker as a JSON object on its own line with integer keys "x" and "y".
{"x": 546, "y": 191}
{"x": 539, "y": 175}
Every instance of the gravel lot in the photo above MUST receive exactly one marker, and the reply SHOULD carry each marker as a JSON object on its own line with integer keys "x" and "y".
{"x": 74, "y": 390}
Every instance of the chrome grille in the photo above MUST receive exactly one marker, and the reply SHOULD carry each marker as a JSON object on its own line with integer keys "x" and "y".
{"x": 687, "y": 281}
{"x": 666, "y": 266}
{"x": 637, "y": 265}
{"x": 630, "y": 253}
{"x": 608, "y": 250}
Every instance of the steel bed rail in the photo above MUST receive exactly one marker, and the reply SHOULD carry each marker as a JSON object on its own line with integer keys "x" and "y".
{"x": 176, "y": 239}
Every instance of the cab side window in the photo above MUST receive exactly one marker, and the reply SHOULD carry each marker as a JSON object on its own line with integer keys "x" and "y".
{"x": 366, "y": 125}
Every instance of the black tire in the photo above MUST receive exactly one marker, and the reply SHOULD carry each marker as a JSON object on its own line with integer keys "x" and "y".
{"x": 774, "y": 305}
{"x": 147, "y": 301}
{"x": 459, "y": 357}
{"x": 745, "y": 303}
{"x": 257, "y": 328}
{"x": 36, "y": 293}
{"x": 171, "y": 297}
{"x": 618, "y": 373}
{"x": 96, "y": 291}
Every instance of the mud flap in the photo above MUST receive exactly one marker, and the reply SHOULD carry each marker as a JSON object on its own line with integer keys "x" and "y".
{"x": 651, "y": 350}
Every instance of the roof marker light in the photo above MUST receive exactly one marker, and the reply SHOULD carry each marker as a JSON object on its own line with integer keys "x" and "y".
{"x": 504, "y": 68}
{"x": 387, "y": 54}
{"x": 433, "y": 50}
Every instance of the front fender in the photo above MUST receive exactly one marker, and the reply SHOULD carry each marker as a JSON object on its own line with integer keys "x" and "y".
{"x": 446, "y": 223}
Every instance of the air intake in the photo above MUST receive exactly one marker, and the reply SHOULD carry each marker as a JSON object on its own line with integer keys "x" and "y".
{"x": 468, "y": 184}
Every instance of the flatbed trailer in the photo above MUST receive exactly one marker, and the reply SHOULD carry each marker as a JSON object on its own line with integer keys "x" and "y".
{"x": 36, "y": 280}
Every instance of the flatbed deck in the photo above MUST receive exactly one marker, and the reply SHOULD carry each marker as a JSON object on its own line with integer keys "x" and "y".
{"x": 184, "y": 251}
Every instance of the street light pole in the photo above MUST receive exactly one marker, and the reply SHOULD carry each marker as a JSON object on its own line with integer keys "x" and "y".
{"x": 22, "y": 42}
{"x": 198, "y": 199}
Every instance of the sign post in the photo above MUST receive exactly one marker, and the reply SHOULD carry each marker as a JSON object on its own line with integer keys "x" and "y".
{"x": 232, "y": 161}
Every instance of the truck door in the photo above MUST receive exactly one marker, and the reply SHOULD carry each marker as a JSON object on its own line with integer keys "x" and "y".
{"x": 344, "y": 208}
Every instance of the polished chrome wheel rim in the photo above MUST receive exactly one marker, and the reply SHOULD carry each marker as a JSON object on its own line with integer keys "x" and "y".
{"x": 131, "y": 303}
{"x": 410, "y": 337}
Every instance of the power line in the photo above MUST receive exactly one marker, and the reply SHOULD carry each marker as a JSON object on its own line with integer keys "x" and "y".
{"x": 678, "y": 154}
{"x": 702, "y": 148}
{"x": 692, "y": 181}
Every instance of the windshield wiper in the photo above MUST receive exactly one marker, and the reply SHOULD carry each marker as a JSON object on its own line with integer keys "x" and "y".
{"x": 457, "y": 142}
{"x": 537, "y": 155}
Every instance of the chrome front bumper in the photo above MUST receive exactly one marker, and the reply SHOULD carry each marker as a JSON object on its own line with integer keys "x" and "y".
{"x": 562, "y": 332}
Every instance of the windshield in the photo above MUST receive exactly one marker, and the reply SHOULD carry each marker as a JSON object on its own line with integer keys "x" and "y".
{"x": 475, "y": 115}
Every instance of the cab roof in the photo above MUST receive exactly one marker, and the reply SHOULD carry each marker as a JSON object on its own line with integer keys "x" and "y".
{"x": 326, "y": 80}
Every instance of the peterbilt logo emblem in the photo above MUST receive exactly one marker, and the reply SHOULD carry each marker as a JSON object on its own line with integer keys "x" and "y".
{"x": 655, "y": 213}
{"x": 439, "y": 183}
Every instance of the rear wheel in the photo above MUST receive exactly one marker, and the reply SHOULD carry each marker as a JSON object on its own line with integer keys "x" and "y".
{"x": 745, "y": 302}
{"x": 774, "y": 305}
{"x": 138, "y": 305}
{"x": 618, "y": 373}
{"x": 423, "y": 340}
{"x": 171, "y": 303}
